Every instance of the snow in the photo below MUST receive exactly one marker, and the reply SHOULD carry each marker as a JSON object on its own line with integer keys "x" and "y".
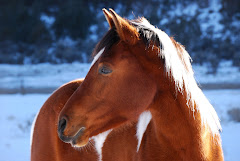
{"x": 93, "y": 30}
{"x": 224, "y": 102}
{"x": 48, "y": 20}
{"x": 52, "y": 76}
{"x": 211, "y": 18}
{"x": 231, "y": 141}
{"x": 226, "y": 74}
{"x": 17, "y": 113}
{"x": 181, "y": 10}
{"x": 40, "y": 76}
{"x": 67, "y": 42}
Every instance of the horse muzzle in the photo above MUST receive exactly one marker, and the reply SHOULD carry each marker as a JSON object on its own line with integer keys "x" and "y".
{"x": 73, "y": 140}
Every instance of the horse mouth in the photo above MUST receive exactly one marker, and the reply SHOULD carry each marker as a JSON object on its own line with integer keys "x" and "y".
{"x": 78, "y": 140}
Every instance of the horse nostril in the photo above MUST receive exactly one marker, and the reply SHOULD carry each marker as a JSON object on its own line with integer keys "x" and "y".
{"x": 62, "y": 125}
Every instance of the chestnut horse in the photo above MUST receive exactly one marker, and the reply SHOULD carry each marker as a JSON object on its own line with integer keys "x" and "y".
{"x": 138, "y": 102}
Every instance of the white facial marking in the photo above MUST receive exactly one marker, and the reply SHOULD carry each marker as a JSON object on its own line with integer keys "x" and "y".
{"x": 142, "y": 124}
{"x": 97, "y": 56}
{"x": 99, "y": 141}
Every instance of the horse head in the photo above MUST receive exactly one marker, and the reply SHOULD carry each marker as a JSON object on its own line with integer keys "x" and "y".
{"x": 119, "y": 86}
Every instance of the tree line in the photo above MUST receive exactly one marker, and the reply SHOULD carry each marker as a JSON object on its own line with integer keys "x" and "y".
{"x": 26, "y": 38}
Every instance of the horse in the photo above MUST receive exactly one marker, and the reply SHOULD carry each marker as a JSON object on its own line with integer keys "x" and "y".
{"x": 138, "y": 102}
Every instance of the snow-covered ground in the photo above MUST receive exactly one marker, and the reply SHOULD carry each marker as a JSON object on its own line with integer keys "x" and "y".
{"x": 17, "y": 113}
{"x": 16, "y": 116}
{"x": 23, "y": 78}
{"x": 40, "y": 76}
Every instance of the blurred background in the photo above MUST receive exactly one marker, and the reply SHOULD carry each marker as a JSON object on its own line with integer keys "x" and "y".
{"x": 46, "y": 43}
{"x": 60, "y": 31}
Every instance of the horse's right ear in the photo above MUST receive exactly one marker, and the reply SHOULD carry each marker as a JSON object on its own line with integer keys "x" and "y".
{"x": 126, "y": 31}
{"x": 108, "y": 17}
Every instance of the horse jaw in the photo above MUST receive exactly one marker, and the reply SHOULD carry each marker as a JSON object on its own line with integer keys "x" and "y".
{"x": 99, "y": 141}
{"x": 143, "y": 121}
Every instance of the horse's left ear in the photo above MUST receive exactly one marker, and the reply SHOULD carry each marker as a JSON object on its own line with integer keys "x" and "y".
{"x": 126, "y": 31}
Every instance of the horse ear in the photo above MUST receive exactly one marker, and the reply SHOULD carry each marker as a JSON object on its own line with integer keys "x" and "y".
{"x": 108, "y": 17}
{"x": 126, "y": 31}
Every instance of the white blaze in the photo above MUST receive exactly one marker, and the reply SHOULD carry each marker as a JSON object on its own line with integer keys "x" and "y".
{"x": 97, "y": 56}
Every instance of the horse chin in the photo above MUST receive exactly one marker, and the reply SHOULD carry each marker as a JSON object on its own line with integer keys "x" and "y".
{"x": 80, "y": 139}
{"x": 80, "y": 143}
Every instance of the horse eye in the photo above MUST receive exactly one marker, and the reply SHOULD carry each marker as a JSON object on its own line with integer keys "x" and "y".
{"x": 104, "y": 70}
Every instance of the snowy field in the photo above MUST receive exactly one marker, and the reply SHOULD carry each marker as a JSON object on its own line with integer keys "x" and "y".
{"x": 17, "y": 113}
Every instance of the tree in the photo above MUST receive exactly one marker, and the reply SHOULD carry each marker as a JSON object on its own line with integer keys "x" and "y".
{"x": 73, "y": 19}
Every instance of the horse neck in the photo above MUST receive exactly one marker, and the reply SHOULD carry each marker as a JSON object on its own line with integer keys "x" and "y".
{"x": 179, "y": 130}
